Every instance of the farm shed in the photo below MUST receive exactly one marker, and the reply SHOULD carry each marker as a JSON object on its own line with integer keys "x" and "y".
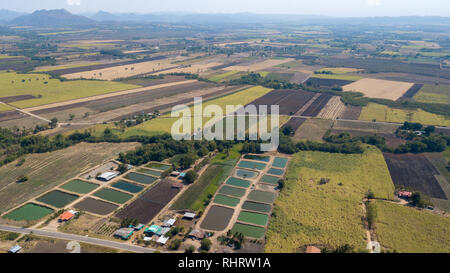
{"x": 139, "y": 227}
{"x": 15, "y": 249}
{"x": 189, "y": 215}
{"x": 124, "y": 233}
{"x": 405, "y": 194}
{"x": 162, "y": 240}
{"x": 197, "y": 234}
{"x": 107, "y": 176}
{"x": 169, "y": 222}
{"x": 154, "y": 229}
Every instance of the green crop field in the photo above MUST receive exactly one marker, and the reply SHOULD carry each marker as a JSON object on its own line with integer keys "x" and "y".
{"x": 307, "y": 212}
{"x": 248, "y": 230}
{"x": 113, "y": 196}
{"x": 28, "y": 212}
{"x": 409, "y": 230}
{"x": 48, "y": 90}
{"x": 253, "y": 218}
{"x": 338, "y": 77}
{"x": 4, "y": 107}
{"x": 226, "y": 200}
{"x": 220, "y": 77}
{"x": 164, "y": 123}
{"x": 378, "y": 112}
{"x": 434, "y": 94}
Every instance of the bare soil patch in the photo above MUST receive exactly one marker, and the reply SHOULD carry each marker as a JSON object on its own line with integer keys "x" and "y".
{"x": 374, "y": 88}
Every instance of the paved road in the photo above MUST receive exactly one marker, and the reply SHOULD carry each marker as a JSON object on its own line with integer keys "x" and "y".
{"x": 78, "y": 238}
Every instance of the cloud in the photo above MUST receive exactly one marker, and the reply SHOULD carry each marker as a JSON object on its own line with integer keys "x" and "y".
{"x": 73, "y": 2}
{"x": 374, "y": 3}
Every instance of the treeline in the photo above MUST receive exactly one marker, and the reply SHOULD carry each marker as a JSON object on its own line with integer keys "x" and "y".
{"x": 289, "y": 147}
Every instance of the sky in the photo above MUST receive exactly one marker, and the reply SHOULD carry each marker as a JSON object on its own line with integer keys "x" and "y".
{"x": 340, "y": 8}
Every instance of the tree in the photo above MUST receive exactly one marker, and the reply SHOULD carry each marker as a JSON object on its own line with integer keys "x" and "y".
{"x": 371, "y": 215}
{"x": 206, "y": 244}
{"x": 190, "y": 249}
{"x": 22, "y": 179}
{"x": 122, "y": 168}
{"x": 287, "y": 131}
{"x": 191, "y": 176}
{"x": 418, "y": 200}
{"x": 186, "y": 161}
{"x": 71, "y": 116}
{"x": 175, "y": 244}
{"x": 281, "y": 184}
{"x": 53, "y": 122}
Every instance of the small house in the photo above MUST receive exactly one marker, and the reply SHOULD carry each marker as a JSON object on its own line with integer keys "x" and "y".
{"x": 162, "y": 240}
{"x": 15, "y": 249}
{"x": 169, "y": 223}
{"x": 153, "y": 230}
{"x": 404, "y": 194}
{"x": 197, "y": 234}
{"x": 124, "y": 233}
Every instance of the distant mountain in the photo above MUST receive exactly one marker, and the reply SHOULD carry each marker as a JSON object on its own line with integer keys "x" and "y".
{"x": 8, "y": 15}
{"x": 45, "y": 18}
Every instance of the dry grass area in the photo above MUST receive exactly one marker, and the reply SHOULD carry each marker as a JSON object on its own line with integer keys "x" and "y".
{"x": 123, "y": 71}
{"x": 193, "y": 69}
{"x": 374, "y": 88}
{"x": 48, "y": 170}
{"x": 313, "y": 129}
{"x": 259, "y": 66}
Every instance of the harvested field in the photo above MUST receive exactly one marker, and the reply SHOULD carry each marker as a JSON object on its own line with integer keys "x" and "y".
{"x": 95, "y": 206}
{"x": 149, "y": 204}
{"x": 314, "y": 109}
{"x": 290, "y": 101}
{"x": 253, "y": 218}
{"x": 141, "y": 178}
{"x": 258, "y": 66}
{"x": 334, "y": 109}
{"x": 129, "y": 187}
{"x": 48, "y": 170}
{"x": 268, "y": 179}
{"x": 233, "y": 181}
{"x": 6, "y": 115}
{"x": 28, "y": 212}
{"x": 373, "y": 88}
{"x": 233, "y": 191}
{"x": 248, "y": 230}
{"x": 226, "y": 200}
{"x": 313, "y": 129}
{"x": 217, "y": 218}
{"x": 116, "y": 71}
{"x": 113, "y": 196}
{"x": 411, "y": 91}
{"x": 262, "y": 196}
{"x": 258, "y": 207}
{"x": 299, "y": 78}
{"x": 294, "y": 123}
{"x": 79, "y": 186}
{"x": 192, "y": 68}
{"x": 351, "y": 112}
{"x": 327, "y": 82}
{"x": 57, "y": 199}
{"x": 414, "y": 172}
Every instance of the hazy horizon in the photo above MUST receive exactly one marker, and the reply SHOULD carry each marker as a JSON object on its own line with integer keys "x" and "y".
{"x": 342, "y": 8}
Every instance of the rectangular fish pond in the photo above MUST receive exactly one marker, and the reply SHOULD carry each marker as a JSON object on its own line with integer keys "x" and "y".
{"x": 233, "y": 181}
{"x": 241, "y": 173}
{"x": 113, "y": 196}
{"x": 57, "y": 198}
{"x": 252, "y": 165}
{"x": 268, "y": 179}
{"x": 217, "y": 218}
{"x": 95, "y": 206}
{"x": 79, "y": 186}
{"x": 258, "y": 207}
{"x": 280, "y": 162}
{"x": 253, "y": 218}
{"x": 150, "y": 172}
{"x": 233, "y": 191}
{"x": 158, "y": 166}
{"x": 258, "y": 158}
{"x": 226, "y": 200}
{"x": 249, "y": 230}
{"x": 275, "y": 171}
{"x": 28, "y": 212}
{"x": 129, "y": 187}
{"x": 141, "y": 178}
{"x": 262, "y": 196}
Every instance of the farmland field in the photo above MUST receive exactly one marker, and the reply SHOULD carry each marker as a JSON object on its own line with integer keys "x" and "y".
{"x": 48, "y": 170}
{"x": 217, "y": 218}
{"x": 57, "y": 199}
{"x": 95, "y": 206}
{"x": 113, "y": 196}
{"x": 434, "y": 94}
{"x": 253, "y": 218}
{"x": 248, "y": 230}
{"x": 414, "y": 172}
{"x": 48, "y": 90}
{"x": 149, "y": 204}
{"x": 378, "y": 112}
{"x": 226, "y": 200}
{"x": 220, "y": 77}
{"x": 129, "y": 187}
{"x": 342, "y": 77}
{"x": 408, "y": 230}
{"x": 141, "y": 178}
{"x": 28, "y": 212}
{"x": 327, "y": 82}
{"x": 309, "y": 213}
{"x": 150, "y": 172}
{"x": 259, "y": 65}
{"x": 314, "y": 109}
{"x": 4, "y": 107}
{"x": 164, "y": 123}
{"x": 79, "y": 186}
{"x": 374, "y": 88}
